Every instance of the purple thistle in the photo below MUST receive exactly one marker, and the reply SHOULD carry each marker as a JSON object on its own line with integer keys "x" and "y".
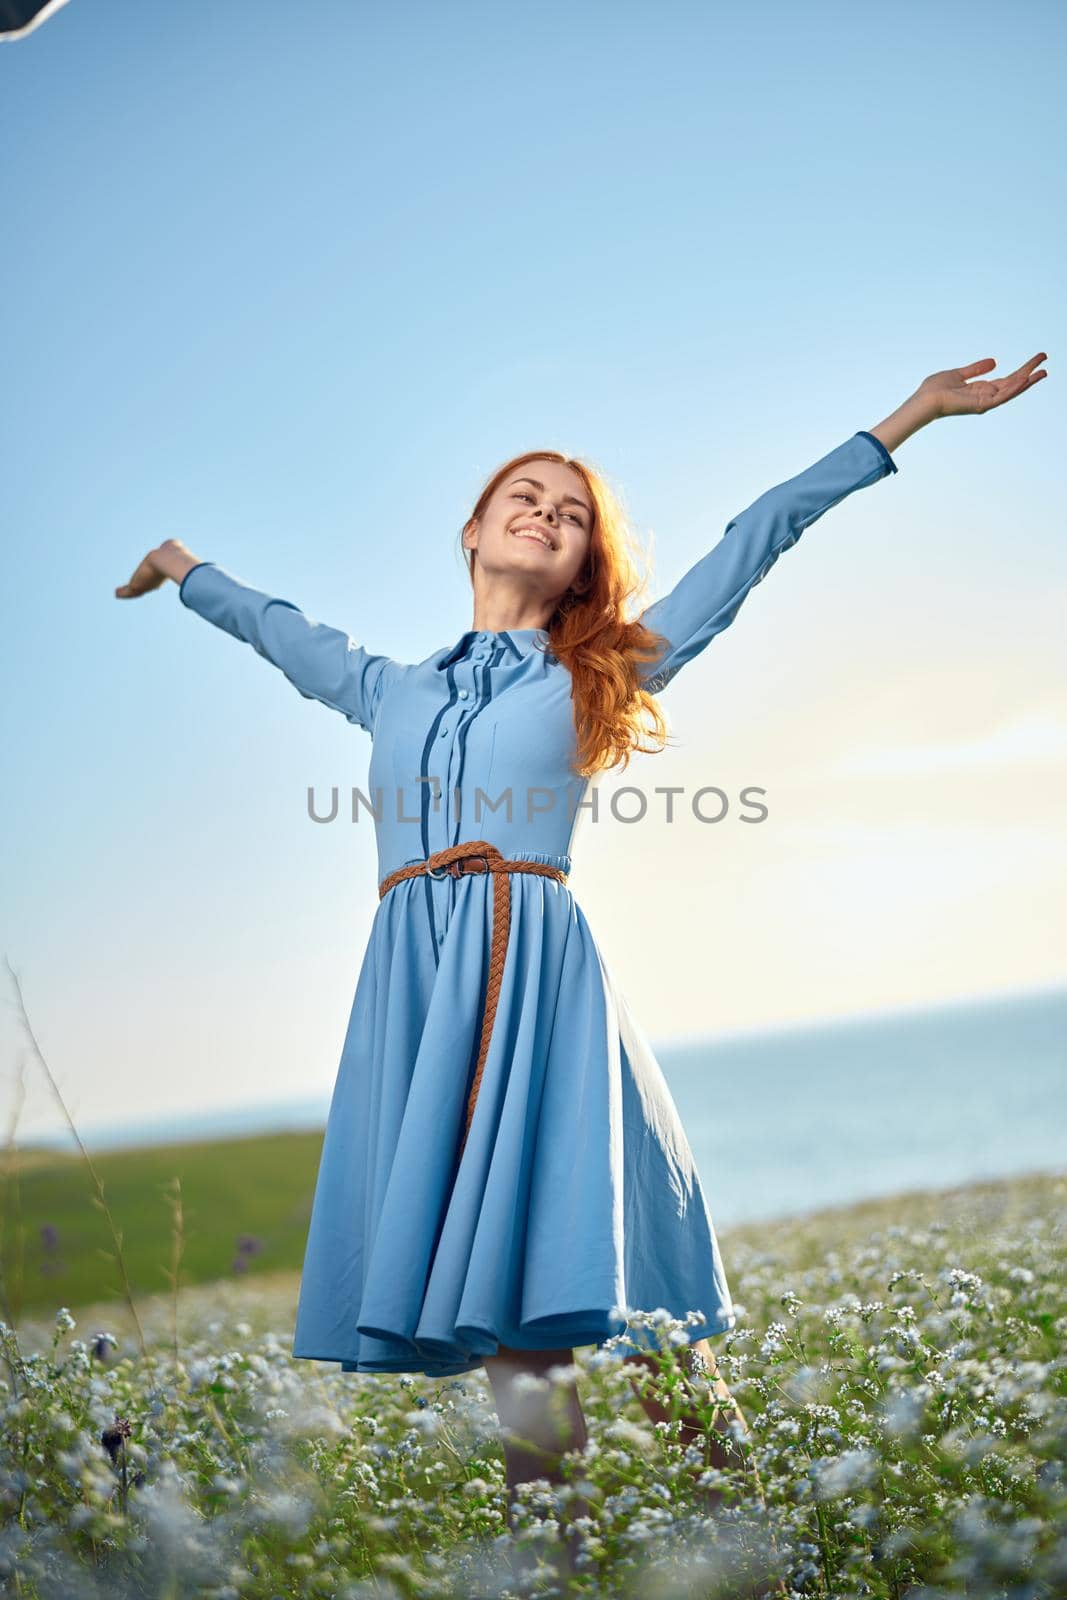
{"x": 114, "y": 1438}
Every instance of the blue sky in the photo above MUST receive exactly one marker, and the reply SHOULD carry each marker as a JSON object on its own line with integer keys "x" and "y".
{"x": 289, "y": 283}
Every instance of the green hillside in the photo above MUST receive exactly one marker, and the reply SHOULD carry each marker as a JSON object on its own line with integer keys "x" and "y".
{"x": 246, "y": 1208}
{"x": 246, "y": 1205}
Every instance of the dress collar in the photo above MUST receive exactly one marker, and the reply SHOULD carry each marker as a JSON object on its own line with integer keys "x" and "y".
{"x": 516, "y": 642}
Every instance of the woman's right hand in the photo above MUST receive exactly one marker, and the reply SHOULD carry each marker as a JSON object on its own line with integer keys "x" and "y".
{"x": 171, "y": 559}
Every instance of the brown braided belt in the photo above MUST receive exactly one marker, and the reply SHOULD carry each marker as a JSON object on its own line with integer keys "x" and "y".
{"x": 461, "y": 859}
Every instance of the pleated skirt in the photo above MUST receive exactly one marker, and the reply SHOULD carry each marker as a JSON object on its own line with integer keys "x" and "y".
{"x": 576, "y": 1199}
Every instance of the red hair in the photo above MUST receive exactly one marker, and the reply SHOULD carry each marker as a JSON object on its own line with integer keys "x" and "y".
{"x": 589, "y": 633}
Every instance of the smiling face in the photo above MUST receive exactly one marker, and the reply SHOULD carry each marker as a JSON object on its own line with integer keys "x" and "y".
{"x": 532, "y": 541}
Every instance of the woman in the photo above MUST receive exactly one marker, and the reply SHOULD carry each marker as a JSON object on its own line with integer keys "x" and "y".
{"x": 503, "y": 1172}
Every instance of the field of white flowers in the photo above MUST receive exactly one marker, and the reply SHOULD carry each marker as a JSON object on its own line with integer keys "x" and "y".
{"x": 900, "y": 1365}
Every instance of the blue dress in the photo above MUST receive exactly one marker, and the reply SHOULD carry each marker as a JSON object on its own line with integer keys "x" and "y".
{"x": 576, "y": 1196}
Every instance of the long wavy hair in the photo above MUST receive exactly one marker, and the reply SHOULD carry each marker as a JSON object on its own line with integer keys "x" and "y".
{"x": 590, "y": 633}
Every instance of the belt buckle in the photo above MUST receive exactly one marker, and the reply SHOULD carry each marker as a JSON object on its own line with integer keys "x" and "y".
{"x": 458, "y": 864}
{"x": 453, "y": 868}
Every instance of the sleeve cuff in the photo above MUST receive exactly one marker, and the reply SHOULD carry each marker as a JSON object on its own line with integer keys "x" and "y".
{"x": 880, "y": 447}
{"x": 188, "y": 575}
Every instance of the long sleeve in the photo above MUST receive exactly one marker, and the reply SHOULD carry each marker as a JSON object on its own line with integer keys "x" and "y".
{"x": 707, "y": 598}
{"x": 322, "y": 663}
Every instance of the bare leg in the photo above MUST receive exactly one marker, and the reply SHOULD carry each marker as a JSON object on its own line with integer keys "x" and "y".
{"x": 719, "y": 1448}
{"x": 536, "y": 1434}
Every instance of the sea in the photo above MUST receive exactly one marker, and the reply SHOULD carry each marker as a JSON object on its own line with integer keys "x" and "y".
{"x": 792, "y": 1120}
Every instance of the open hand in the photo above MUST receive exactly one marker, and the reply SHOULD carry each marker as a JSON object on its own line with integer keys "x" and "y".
{"x": 171, "y": 559}
{"x": 950, "y": 394}
{"x": 145, "y": 578}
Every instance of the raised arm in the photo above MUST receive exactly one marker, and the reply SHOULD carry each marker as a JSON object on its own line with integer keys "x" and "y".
{"x": 708, "y": 597}
{"x": 322, "y": 663}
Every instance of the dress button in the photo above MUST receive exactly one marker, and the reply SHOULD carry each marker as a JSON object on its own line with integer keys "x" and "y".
{"x": 444, "y": 733}
{"x": 463, "y": 694}
{"x": 440, "y": 938}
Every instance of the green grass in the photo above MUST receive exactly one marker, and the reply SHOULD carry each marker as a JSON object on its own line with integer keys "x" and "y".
{"x": 259, "y": 1187}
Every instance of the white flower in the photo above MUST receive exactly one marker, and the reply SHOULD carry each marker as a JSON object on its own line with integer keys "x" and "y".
{"x": 835, "y": 1476}
{"x": 529, "y": 1383}
{"x": 290, "y": 1512}
{"x": 773, "y": 1339}
{"x": 567, "y": 1372}
{"x": 863, "y": 1516}
{"x": 626, "y": 1432}
{"x": 803, "y": 1384}
{"x": 902, "y": 1412}
{"x": 425, "y": 1421}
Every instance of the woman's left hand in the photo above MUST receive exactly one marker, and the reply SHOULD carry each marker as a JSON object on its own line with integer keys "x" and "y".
{"x": 950, "y": 394}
